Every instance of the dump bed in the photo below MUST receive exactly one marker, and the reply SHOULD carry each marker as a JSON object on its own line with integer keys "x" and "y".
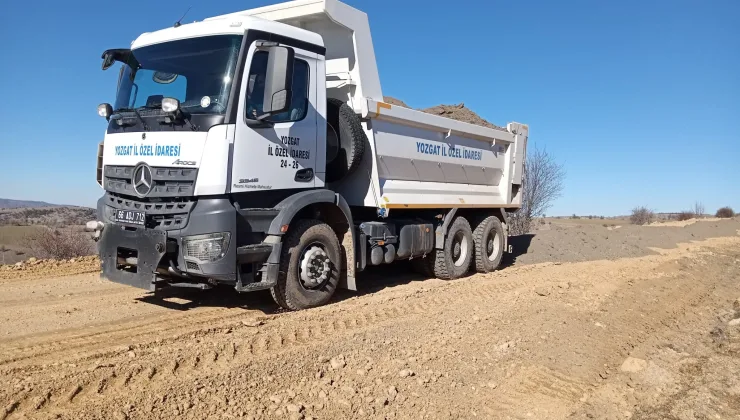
{"x": 421, "y": 160}
{"x": 415, "y": 160}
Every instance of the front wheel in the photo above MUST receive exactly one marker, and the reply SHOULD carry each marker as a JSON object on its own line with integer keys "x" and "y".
{"x": 310, "y": 263}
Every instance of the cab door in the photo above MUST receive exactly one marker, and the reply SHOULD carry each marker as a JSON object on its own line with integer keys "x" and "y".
{"x": 280, "y": 152}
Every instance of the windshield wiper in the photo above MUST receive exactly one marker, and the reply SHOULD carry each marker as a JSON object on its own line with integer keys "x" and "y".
{"x": 135, "y": 111}
{"x": 170, "y": 118}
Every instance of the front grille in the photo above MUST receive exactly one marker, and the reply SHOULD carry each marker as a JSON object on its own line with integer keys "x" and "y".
{"x": 192, "y": 266}
{"x": 167, "y": 182}
{"x": 163, "y": 215}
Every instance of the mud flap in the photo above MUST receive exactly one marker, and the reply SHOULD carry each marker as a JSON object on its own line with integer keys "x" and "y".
{"x": 148, "y": 246}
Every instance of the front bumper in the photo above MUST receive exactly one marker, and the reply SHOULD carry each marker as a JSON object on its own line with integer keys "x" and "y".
{"x": 204, "y": 216}
{"x": 147, "y": 246}
{"x": 151, "y": 258}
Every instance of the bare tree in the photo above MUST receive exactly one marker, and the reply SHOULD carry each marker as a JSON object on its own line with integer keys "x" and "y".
{"x": 699, "y": 209}
{"x": 542, "y": 184}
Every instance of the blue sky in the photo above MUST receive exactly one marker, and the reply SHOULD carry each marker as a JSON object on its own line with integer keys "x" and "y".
{"x": 640, "y": 100}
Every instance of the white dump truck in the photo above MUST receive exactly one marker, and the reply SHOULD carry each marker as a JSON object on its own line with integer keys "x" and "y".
{"x": 254, "y": 149}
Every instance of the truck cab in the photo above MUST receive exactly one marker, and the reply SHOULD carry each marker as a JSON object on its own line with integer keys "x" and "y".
{"x": 248, "y": 150}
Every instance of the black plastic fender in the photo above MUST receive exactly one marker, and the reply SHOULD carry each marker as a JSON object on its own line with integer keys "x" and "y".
{"x": 289, "y": 207}
{"x": 441, "y": 231}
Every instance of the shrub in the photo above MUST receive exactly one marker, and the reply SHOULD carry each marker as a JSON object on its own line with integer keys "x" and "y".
{"x": 725, "y": 212}
{"x": 685, "y": 215}
{"x": 641, "y": 215}
{"x": 59, "y": 243}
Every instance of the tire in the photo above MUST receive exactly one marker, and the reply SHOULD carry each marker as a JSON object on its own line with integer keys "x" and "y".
{"x": 452, "y": 262}
{"x": 346, "y": 140}
{"x": 304, "y": 236}
{"x": 489, "y": 244}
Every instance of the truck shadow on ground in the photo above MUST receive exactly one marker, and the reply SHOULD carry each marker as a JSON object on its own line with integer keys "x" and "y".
{"x": 182, "y": 299}
{"x": 377, "y": 278}
{"x": 520, "y": 246}
{"x": 372, "y": 280}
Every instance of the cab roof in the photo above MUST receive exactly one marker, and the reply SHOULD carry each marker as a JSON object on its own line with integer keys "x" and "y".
{"x": 225, "y": 25}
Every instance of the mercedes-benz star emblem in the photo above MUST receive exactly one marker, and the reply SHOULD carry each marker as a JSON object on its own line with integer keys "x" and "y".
{"x": 142, "y": 179}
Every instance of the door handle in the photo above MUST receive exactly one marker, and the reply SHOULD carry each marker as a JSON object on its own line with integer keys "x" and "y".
{"x": 304, "y": 175}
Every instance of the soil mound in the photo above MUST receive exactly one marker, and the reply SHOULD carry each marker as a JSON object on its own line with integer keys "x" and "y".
{"x": 456, "y": 112}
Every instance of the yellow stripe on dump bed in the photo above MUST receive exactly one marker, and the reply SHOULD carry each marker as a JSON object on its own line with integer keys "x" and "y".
{"x": 447, "y": 206}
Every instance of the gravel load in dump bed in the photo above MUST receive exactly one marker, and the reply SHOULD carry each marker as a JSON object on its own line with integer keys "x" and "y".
{"x": 456, "y": 112}
{"x": 393, "y": 101}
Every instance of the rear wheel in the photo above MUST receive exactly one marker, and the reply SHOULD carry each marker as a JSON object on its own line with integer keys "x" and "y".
{"x": 489, "y": 244}
{"x": 310, "y": 264}
{"x": 453, "y": 261}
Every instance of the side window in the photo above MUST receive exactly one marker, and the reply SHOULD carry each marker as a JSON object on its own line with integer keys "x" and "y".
{"x": 256, "y": 89}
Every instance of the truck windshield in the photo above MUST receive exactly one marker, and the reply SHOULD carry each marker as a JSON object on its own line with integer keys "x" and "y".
{"x": 198, "y": 72}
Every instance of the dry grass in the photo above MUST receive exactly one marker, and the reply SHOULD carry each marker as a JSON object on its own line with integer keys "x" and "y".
{"x": 685, "y": 215}
{"x": 14, "y": 236}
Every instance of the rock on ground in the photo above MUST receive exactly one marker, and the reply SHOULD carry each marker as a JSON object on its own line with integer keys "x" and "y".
{"x": 632, "y": 365}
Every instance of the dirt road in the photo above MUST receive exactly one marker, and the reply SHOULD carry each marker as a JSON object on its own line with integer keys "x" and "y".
{"x": 648, "y": 337}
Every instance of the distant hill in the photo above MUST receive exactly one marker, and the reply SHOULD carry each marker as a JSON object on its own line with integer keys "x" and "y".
{"x": 56, "y": 216}
{"x": 6, "y": 203}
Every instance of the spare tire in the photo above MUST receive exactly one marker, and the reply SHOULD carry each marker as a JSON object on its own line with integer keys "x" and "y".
{"x": 345, "y": 140}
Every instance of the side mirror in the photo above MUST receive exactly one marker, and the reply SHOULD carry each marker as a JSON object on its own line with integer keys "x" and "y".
{"x": 278, "y": 81}
{"x": 108, "y": 60}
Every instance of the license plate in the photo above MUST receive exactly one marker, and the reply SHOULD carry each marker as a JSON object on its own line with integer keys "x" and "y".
{"x": 131, "y": 217}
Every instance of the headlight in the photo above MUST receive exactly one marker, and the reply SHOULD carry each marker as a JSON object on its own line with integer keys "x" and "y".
{"x": 206, "y": 248}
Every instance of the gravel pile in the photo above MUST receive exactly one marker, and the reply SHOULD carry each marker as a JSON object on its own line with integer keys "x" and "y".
{"x": 393, "y": 101}
{"x": 456, "y": 112}
{"x": 555, "y": 242}
{"x": 34, "y": 268}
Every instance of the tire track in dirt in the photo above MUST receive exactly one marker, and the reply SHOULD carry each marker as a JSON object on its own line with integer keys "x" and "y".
{"x": 625, "y": 329}
{"x": 225, "y": 345}
{"x": 267, "y": 341}
{"x": 103, "y": 340}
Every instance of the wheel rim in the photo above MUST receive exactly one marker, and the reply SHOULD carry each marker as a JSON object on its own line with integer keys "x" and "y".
{"x": 314, "y": 268}
{"x": 459, "y": 249}
{"x": 493, "y": 247}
